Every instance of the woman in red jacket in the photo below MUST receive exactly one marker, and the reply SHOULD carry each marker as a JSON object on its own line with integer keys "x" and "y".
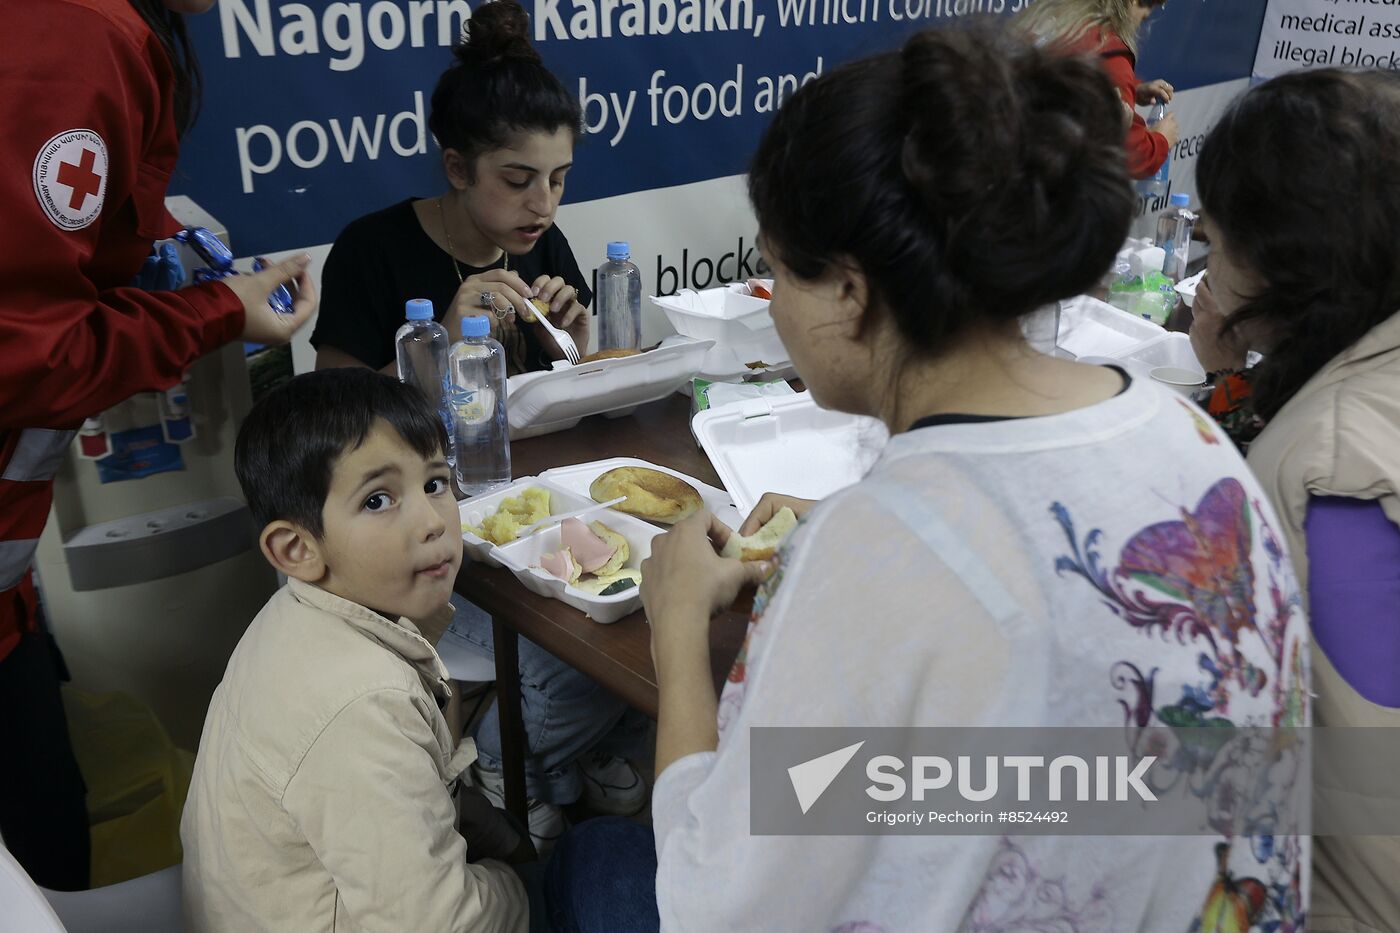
{"x": 1109, "y": 29}
{"x": 94, "y": 95}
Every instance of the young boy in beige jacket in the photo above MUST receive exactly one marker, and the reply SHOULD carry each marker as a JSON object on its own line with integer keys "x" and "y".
{"x": 322, "y": 796}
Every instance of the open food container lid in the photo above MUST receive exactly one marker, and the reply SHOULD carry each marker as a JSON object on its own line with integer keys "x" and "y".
{"x": 555, "y": 400}
{"x": 739, "y": 324}
{"x": 1089, "y": 327}
{"x": 788, "y": 445}
{"x": 726, "y": 303}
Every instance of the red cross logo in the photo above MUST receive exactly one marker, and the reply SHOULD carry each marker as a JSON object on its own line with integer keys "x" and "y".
{"x": 81, "y": 178}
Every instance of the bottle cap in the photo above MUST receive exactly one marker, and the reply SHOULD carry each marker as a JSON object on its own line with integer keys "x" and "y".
{"x": 476, "y": 326}
{"x": 418, "y": 309}
{"x": 1181, "y": 199}
{"x": 619, "y": 250}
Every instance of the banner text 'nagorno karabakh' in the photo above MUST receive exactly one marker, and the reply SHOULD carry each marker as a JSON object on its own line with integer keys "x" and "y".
{"x": 316, "y": 113}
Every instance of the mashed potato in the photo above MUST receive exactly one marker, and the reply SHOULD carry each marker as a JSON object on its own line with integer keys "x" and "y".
{"x": 511, "y": 515}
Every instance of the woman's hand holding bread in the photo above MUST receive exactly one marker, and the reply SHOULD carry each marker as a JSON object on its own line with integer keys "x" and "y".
{"x": 770, "y": 505}
{"x": 685, "y": 582}
{"x": 703, "y": 563}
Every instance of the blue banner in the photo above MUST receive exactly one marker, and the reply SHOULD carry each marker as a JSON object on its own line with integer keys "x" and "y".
{"x": 316, "y": 113}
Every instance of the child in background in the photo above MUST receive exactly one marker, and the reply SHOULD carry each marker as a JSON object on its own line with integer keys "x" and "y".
{"x": 322, "y": 796}
{"x": 1109, "y": 30}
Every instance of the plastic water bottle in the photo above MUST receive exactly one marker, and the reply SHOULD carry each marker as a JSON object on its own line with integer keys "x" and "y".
{"x": 421, "y": 346}
{"x": 1174, "y": 228}
{"x": 1158, "y": 184}
{"x": 1166, "y": 220}
{"x": 478, "y": 398}
{"x": 619, "y": 301}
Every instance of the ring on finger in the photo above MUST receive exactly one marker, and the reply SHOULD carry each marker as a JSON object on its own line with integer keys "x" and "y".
{"x": 488, "y": 301}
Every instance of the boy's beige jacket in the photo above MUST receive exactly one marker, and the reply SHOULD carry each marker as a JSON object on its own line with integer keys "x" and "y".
{"x": 321, "y": 798}
{"x": 1340, "y": 436}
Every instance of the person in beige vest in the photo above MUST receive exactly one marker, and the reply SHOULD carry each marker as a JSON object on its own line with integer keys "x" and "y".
{"x": 323, "y": 791}
{"x": 1300, "y": 182}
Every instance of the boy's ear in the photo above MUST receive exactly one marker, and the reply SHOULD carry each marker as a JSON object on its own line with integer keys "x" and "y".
{"x": 292, "y": 550}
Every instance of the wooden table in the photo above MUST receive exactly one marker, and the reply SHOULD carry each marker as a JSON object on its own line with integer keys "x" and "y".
{"x": 617, "y": 656}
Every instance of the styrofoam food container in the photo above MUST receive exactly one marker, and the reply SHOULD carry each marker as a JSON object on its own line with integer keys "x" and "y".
{"x": 478, "y": 508}
{"x": 578, "y": 478}
{"x": 787, "y": 445}
{"x": 557, "y": 399}
{"x": 568, "y": 490}
{"x": 738, "y": 323}
{"x": 1168, "y": 350}
{"x": 723, "y": 363}
{"x": 1089, "y": 327}
{"x": 521, "y": 556}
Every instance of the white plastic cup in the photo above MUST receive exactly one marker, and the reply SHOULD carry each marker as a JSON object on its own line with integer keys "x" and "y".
{"x": 1185, "y": 381}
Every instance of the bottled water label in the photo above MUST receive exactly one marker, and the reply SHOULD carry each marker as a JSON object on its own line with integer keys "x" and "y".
{"x": 472, "y": 406}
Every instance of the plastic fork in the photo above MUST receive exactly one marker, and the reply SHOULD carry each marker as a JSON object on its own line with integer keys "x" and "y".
{"x": 576, "y": 513}
{"x": 561, "y": 337}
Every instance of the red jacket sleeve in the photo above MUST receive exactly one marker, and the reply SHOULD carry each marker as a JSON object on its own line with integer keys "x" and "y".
{"x": 74, "y": 337}
{"x": 1146, "y": 150}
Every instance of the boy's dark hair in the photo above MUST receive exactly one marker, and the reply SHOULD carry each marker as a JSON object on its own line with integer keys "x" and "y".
{"x": 288, "y": 447}
{"x": 498, "y": 85}
{"x": 970, "y": 176}
{"x": 1302, "y": 177}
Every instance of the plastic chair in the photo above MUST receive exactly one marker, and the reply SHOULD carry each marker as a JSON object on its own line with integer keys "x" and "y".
{"x": 149, "y": 904}
{"x": 23, "y": 908}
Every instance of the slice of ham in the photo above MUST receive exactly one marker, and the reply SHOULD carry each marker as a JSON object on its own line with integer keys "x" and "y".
{"x": 588, "y": 549}
{"x": 560, "y": 565}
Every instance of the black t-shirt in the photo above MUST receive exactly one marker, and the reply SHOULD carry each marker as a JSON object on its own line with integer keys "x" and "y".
{"x": 383, "y": 259}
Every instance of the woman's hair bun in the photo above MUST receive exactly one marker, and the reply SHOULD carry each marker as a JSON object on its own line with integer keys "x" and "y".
{"x": 960, "y": 119}
{"x": 1012, "y": 147}
{"x": 970, "y": 176}
{"x": 994, "y": 113}
{"x": 497, "y": 31}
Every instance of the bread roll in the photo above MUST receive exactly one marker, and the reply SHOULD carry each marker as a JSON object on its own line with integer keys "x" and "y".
{"x": 762, "y": 544}
{"x": 541, "y": 306}
{"x": 651, "y": 494}
{"x": 608, "y": 355}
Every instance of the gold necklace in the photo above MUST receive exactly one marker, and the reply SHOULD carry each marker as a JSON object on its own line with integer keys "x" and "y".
{"x": 452, "y": 250}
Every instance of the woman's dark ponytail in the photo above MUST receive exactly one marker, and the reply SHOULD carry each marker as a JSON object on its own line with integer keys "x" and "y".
{"x": 169, "y": 28}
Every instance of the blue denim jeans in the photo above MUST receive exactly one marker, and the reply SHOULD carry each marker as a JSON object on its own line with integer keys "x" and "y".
{"x": 565, "y": 714}
{"x": 601, "y": 878}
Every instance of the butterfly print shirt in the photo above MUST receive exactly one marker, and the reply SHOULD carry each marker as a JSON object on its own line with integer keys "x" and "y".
{"x": 1114, "y": 566}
